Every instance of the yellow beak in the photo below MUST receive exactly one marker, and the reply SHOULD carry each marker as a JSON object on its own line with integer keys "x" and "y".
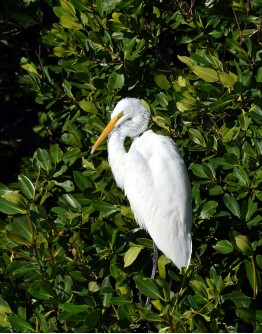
{"x": 110, "y": 126}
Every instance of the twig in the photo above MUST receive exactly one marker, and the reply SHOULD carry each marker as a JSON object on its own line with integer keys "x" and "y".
{"x": 238, "y": 25}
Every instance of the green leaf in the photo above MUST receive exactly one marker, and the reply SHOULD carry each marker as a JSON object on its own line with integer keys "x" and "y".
{"x": 27, "y": 186}
{"x": 120, "y": 300}
{"x": 208, "y": 209}
{"x": 42, "y": 322}
{"x": 252, "y": 276}
{"x": 227, "y": 79}
{"x": 198, "y": 170}
{"x": 196, "y": 136}
{"x": 115, "y": 82}
{"x": 67, "y": 88}
{"x": 229, "y": 134}
{"x": 199, "y": 288}
{"x": 232, "y": 204}
{"x": 77, "y": 276}
{"x": 241, "y": 175}
{"x": 68, "y": 7}
{"x": 4, "y": 189}
{"x": 41, "y": 290}
{"x": 236, "y": 49}
{"x": 4, "y": 307}
{"x": 43, "y": 159}
{"x": 251, "y": 209}
{"x": 205, "y": 73}
{"x": 81, "y": 180}
{"x": 69, "y": 199}
{"x": 10, "y": 208}
{"x": 247, "y": 315}
{"x": 259, "y": 75}
{"x": 236, "y": 295}
{"x": 188, "y": 103}
{"x": 93, "y": 286}
{"x": 131, "y": 255}
{"x": 22, "y": 226}
{"x": 104, "y": 206}
{"x": 205, "y": 171}
{"x": 30, "y": 68}
{"x": 259, "y": 261}
{"x": 67, "y": 185}
{"x": 20, "y": 268}
{"x": 91, "y": 319}
{"x": 70, "y": 22}
{"x": 61, "y": 51}
{"x": 161, "y": 264}
{"x": 231, "y": 159}
{"x": 88, "y": 106}
{"x": 74, "y": 309}
{"x": 224, "y": 247}
{"x": 56, "y": 153}
{"x": 244, "y": 245}
{"x": 162, "y": 81}
{"x": 186, "y": 60}
{"x": 20, "y": 325}
{"x": 148, "y": 287}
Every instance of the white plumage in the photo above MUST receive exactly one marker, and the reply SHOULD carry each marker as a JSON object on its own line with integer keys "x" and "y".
{"x": 154, "y": 177}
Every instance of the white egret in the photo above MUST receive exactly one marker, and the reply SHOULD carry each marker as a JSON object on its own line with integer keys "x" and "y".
{"x": 154, "y": 177}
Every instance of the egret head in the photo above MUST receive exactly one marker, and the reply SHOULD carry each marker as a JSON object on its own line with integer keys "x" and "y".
{"x": 129, "y": 116}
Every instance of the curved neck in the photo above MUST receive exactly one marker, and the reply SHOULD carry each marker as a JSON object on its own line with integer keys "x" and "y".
{"x": 117, "y": 156}
{"x": 132, "y": 124}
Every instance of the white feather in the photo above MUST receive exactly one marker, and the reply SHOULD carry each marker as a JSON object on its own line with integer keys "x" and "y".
{"x": 154, "y": 177}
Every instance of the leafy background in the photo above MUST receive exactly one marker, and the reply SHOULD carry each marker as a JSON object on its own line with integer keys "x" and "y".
{"x": 72, "y": 258}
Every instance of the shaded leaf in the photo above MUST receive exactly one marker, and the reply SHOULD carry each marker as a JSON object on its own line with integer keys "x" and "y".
{"x": 74, "y": 308}
{"x": 224, "y": 247}
{"x": 232, "y": 204}
{"x": 20, "y": 325}
{"x": 148, "y": 287}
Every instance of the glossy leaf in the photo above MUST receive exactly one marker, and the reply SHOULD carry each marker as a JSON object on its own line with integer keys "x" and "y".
{"x": 208, "y": 209}
{"x": 224, "y": 247}
{"x": 20, "y": 325}
{"x": 131, "y": 255}
{"x": 232, "y": 204}
{"x": 205, "y": 73}
{"x": 10, "y": 208}
{"x": 27, "y": 186}
{"x": 244, "y": 245}
{"x": 74, "y": 308}
{"x": 148, "y": 287}
{"x": 115, "y": 81}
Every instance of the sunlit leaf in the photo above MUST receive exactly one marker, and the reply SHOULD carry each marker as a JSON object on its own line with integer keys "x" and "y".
{"x": 131, "y": 255}
{"x": 244, "y": 244}
{"x": 205, "y": 73}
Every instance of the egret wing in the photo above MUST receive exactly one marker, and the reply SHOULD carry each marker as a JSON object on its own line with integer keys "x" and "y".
{"x": 157, "y": 186}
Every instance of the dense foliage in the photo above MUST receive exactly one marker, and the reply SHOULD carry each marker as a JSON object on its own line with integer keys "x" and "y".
{"x": 72, "y": 257}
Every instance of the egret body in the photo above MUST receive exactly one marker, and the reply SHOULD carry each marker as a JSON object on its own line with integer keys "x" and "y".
{"x": 154, "y": 177}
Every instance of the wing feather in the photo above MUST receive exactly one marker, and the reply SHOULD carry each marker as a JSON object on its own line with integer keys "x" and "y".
{"x": 157, "y": 186}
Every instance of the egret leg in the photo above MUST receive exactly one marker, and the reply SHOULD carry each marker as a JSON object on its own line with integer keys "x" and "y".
{"x": 155, "y": 259}
{"x": 153, "y": 274}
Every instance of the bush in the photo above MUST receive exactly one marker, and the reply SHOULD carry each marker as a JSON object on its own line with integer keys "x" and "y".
{"x": 72, "y": 258}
